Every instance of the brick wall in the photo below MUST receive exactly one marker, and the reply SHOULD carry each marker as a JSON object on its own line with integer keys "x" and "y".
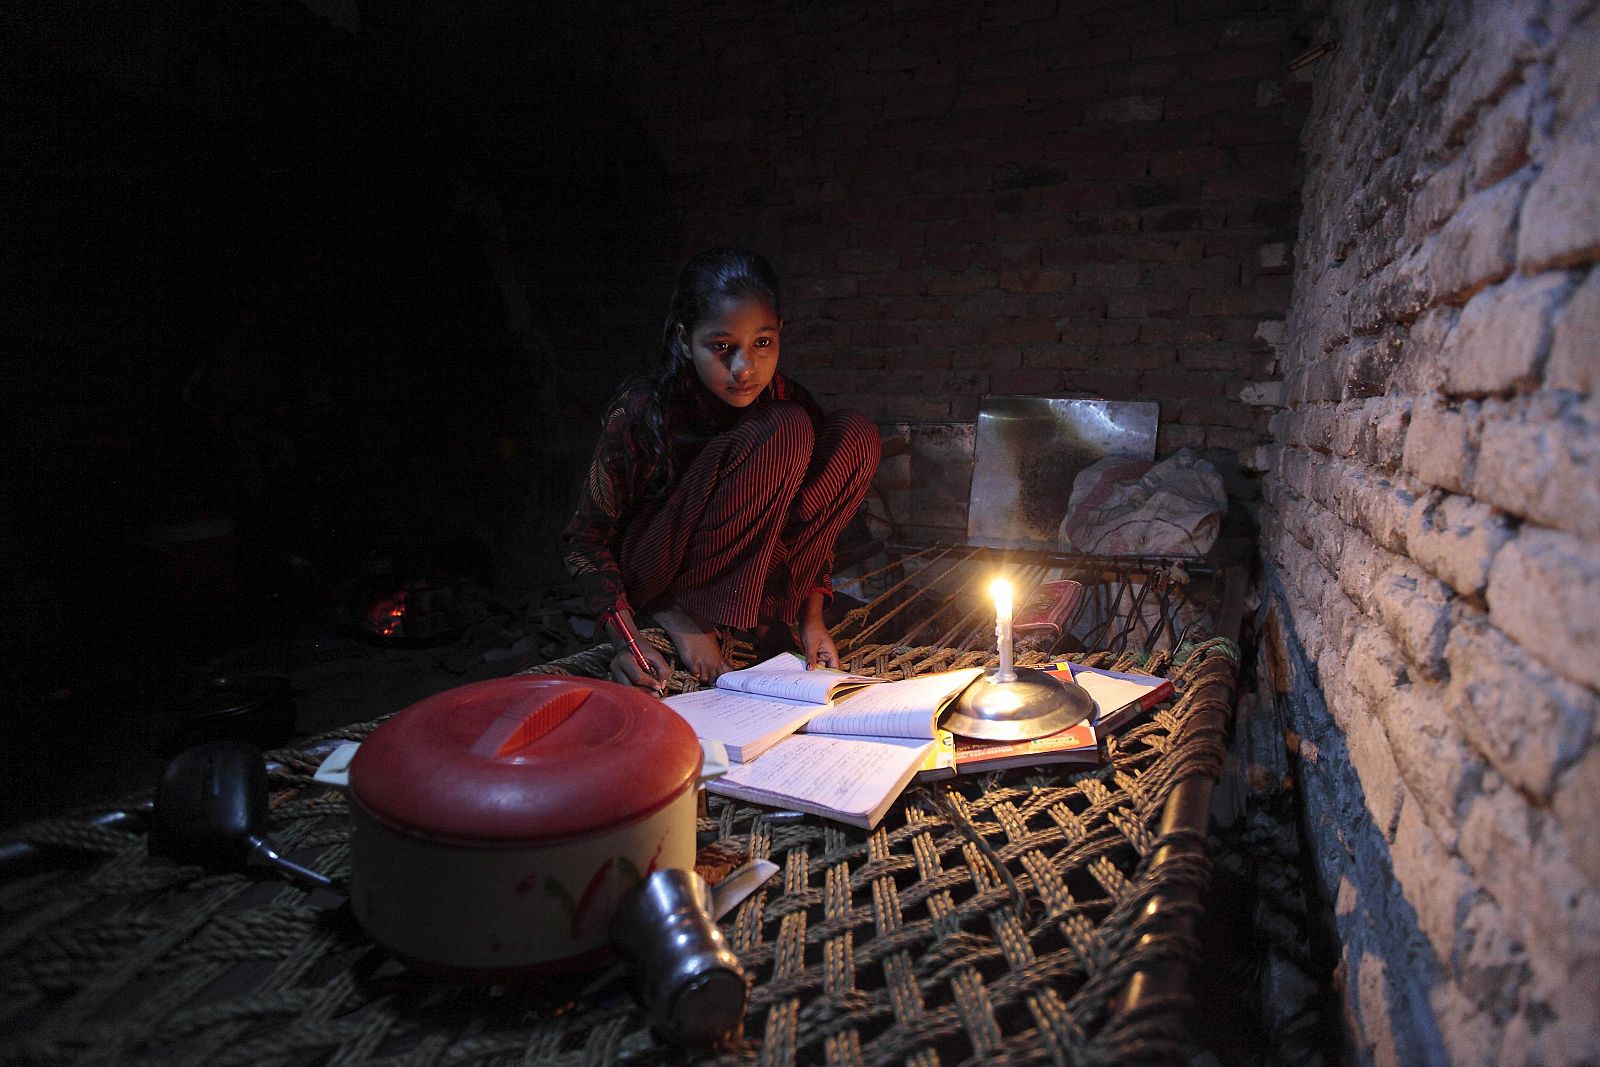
{"x": 1033, "y": 197}
{"x": 1433, "y": 523}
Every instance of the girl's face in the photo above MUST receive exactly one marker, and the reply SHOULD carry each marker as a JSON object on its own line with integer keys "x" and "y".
{"x": 735, "y": 349}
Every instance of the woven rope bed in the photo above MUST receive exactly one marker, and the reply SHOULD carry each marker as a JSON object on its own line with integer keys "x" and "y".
{"x": 993, "y": 920}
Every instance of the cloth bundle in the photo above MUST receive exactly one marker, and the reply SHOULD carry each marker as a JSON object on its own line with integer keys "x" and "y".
{"x": 1129, "y": 507}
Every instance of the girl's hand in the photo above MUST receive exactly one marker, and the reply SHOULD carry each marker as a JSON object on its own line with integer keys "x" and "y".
{"x": 626, "y": 669}
{"x": 625, "y": 666}
{"x": 815, "y": 640}
{"x": 819, "y": 647}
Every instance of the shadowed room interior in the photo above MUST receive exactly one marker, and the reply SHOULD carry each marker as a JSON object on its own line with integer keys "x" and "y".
{"x": 315, "y": 307}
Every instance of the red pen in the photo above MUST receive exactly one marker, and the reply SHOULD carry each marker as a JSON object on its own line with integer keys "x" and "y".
{"x": 633, "y": 645}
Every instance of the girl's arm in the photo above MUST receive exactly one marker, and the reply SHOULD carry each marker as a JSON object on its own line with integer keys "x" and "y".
{"x": 594, "y": 535}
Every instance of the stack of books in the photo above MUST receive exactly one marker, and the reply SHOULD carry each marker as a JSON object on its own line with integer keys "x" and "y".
{"x": 844, "y": 746}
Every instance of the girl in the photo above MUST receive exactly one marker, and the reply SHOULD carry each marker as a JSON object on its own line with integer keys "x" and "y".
{"x": 718, "y": 487}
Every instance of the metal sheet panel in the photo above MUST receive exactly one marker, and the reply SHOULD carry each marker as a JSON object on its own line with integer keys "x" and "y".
{"x": 1028, "y": 450}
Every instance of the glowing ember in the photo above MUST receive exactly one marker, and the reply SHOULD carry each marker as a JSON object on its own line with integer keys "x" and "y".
{"x": 386, "y": 618}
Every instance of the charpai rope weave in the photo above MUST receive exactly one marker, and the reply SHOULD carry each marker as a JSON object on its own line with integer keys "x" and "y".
{"x": 992, "y": 920}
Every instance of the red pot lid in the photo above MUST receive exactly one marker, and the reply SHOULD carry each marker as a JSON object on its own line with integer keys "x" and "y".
{"x": 525, "y": 759}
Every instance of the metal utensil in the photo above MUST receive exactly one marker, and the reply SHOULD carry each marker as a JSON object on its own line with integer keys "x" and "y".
{"x": 1032, "y": 704}
{"x": 211, "y": 809}
{"x": 692, "y": 984}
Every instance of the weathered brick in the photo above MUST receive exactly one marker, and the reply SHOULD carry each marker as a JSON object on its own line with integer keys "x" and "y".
{"x": 1556, "y": 1023}
{"x": 1438, "y": 886}
{"x": 1489, "y": 962}
{"x": 1314, "y": 427}
{"x": 1441, "y": 444}
{"x": 1401, "y": 291}
{"x": 1175, "y": 40}
{"x": 1477, "y": 246}
{"x": 1372, "y": 999}
{"x": 1561, "y": 217}
{"x": 1497, "y": 39}
{"x": 1440, "y": 768}
{"x": 1216, "y": 413}
{"x": 1575, "y": 66}
{"x": 1529, "y": 724}
{"x": 1375, "y": 666}
{"x": 1171, "y": 436}
{"x": 1456, "y": 538}
{"x": 1432, "y": 204}
{"x": 1503, "y": 335}
{"x": 1416, "y": 609}
{"x": 1234, "y": 439}
{"x": 1471, "y": 1036}
{"x": 1501, "y": 143}
{"x": 1575, "y": 343}
{"x": 1347, "y": 427}
{"x": 1271, "y": 332}
{"x": 1374, "y": 504}
{"x": 1262, "y": 394}
{"x": 1540, "y": 458}
{"x": 1138, "y": 108}
{"x": 1544, "y": 592}
{"x": 1574, "y": 805}
{"x": 1521, "y": 858}
{"x": 1137, "y": 304}
{"x": 1381, "y": 441}
{"x": 1382, "y": 788}
{"x": 916, "y": 407}
{"x": 946, "y": 334}
{"x": 1021, "y": 331}
{"x": 1426, "y": 356}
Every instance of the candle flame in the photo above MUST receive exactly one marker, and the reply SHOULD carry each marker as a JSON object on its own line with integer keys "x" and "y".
{"x": 1000, "y": 589}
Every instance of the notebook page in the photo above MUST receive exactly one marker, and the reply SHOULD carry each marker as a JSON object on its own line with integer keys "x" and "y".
{"x": 1112, "y": 693}
{"x": 785, "y": 676}
{"x": 746, "y": 724}
{"x": 850, "y": 777}
{"x": 907, "y": 708}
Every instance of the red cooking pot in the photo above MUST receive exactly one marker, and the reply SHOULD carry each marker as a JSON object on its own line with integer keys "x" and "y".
{"x": 498, "y": 824}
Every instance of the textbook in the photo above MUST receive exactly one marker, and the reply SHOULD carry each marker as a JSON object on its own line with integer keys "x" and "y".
{"x": 751, "y": 710}
{"x": 1117, "y": 696}
{"x": 1075, "y": 744}
{"x": 953, "y": 754}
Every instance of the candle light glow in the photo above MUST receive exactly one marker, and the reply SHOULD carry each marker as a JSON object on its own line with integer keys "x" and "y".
{"x": 1000, "y": 589}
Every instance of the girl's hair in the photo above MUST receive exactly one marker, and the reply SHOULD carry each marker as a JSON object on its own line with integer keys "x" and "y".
{"x": 715, "y": 274}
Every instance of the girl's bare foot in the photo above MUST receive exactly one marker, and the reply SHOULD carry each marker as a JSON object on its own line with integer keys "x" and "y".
{"x": 696, "y": 642}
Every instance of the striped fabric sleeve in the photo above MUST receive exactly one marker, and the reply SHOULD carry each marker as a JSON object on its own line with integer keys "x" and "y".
{"x": 594, "y": 535}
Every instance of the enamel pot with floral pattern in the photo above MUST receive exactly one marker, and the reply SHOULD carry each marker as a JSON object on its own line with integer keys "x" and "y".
{"x": 498, "y": 824}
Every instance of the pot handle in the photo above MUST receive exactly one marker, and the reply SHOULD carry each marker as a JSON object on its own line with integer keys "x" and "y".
{"x": 519, "y": 727}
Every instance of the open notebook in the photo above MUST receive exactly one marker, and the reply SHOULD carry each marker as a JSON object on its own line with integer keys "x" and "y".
{"x": 751, "y": 710}
{"x": 853, "y": 757}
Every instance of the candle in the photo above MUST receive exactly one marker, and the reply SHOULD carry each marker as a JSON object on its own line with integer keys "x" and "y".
{"x": 1000, "y": 589}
